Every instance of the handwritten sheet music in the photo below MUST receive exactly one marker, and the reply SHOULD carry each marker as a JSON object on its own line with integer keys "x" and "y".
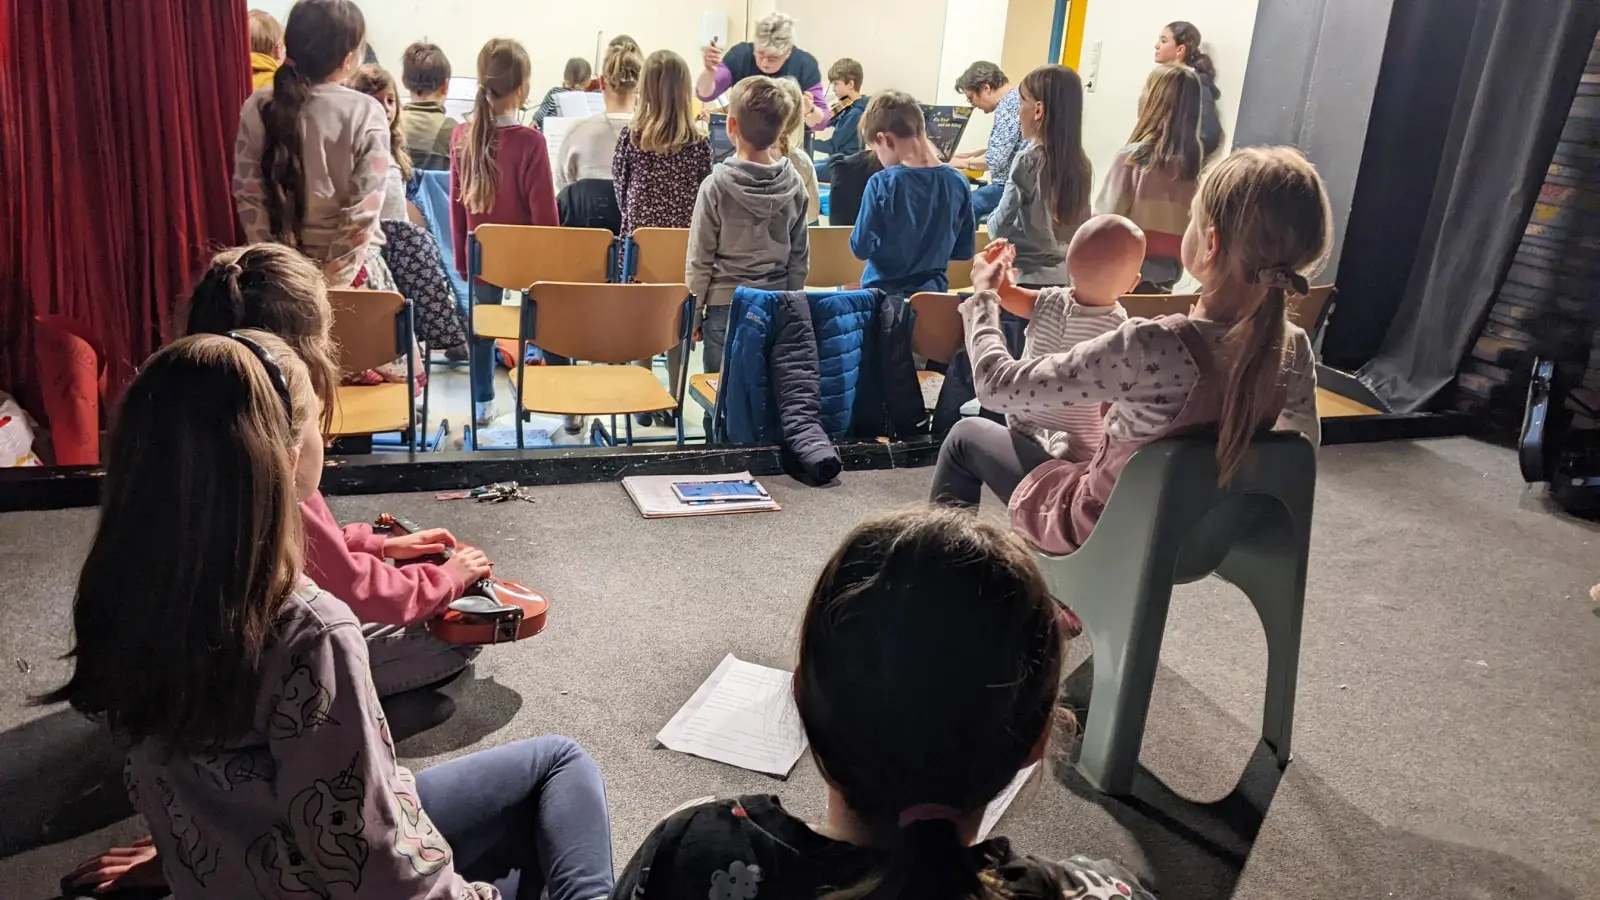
{"x": 997, "y": 807}
{"x": 743, "y": 715}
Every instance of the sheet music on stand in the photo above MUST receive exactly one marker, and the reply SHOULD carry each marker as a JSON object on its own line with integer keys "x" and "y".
{"x": 743, "y": 715}
{"x": 460, "y": 92}
{"x": 580, "y": 104}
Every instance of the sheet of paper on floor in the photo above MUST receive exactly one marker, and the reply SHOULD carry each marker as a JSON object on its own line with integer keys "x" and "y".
{"x": 743, "y": 715}
{"x": 997, "y": 806}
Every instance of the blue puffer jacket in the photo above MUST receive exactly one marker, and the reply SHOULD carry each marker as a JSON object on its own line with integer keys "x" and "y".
{"x": 802, "y": 370}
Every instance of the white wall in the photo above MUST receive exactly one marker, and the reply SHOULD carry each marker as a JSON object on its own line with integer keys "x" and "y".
{"x": 1127, "y": 34}
{"x": 896, "y": 41}
{"x": 977, "y": 30}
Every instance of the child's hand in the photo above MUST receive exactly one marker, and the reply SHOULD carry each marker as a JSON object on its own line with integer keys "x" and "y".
{"x": 117, "y": 869}
{"x": 991, "y": 269}
{"x": 427, "y": 542}
{"x": 469, "y": 564}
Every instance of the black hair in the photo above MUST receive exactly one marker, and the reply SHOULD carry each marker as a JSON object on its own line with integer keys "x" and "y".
{"x": 929, "y": 668}
{"x": 319, "y": 37}
{"x": 1185, "y": 35}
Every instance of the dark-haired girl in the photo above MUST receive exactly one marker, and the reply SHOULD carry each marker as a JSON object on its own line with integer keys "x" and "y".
{"x": 930, "y": 662}
{"x": 312, "y": 157}
{"x": 1180, "y": 43}
{"x": 258, "y": 753}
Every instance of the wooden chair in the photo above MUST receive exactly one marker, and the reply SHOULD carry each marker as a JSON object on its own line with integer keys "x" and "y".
{"x": 1306, "y": 311}
{"x": 514, "y": 257}
{"x": 960, "y": 271}
{"x": 656, "y": 255}
{"x": 371, "y": 329}
{"x": 603, "y": 323}
{"x": 832, "y": 263}
{"x": 937, "y": 332}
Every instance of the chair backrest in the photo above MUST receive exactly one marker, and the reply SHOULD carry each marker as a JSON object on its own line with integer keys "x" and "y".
{"x": 938, "y": 331}
{"x": 1150, "y": 306}
{"x": 368, "y": 328}
{"x": 1307, "y": 311}
{"x": 607, "y": 323}
{"x": 832, "y": 263}
{"x": 1303, "y": 311}
{"x": 1167, "y": 494}
{"x": 960, "y": 271}
{"x": 660, "y": 255}
{"x": 72, "y": 378}
{"x": 516, "y": 256}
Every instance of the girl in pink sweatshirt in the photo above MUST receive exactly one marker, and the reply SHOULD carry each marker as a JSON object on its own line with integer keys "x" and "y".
{"x": 275, "y": 289}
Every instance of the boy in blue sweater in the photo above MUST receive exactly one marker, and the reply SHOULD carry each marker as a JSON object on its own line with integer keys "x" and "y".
{"x": 916, "y": 215}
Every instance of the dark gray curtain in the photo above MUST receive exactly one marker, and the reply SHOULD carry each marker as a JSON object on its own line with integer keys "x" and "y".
{"x": 1522, "y": 64}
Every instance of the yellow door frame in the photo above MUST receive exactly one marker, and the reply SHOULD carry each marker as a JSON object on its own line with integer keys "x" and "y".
{"x": 1070, "y": 16}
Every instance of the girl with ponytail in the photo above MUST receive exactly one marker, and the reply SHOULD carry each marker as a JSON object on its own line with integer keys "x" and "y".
{"x": 1180, "y": 43}
{"x": 1259, "y": 228}
{"x": 500, "y": 175}
{"x": 312, "y": 157}
{"x": 930, "y": 661}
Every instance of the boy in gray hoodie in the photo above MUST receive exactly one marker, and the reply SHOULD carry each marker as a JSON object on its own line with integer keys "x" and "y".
{"x": 749, "y": 225}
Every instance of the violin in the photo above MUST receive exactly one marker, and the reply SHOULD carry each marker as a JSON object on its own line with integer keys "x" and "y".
{"x": 491, "y": 611}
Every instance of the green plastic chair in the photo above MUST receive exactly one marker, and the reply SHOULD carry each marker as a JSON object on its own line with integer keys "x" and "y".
{"x": 1167, "y": 522}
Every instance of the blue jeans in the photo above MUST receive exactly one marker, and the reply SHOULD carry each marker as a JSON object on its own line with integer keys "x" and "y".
{"x": 482, "y": 349}
{"x": 529, "y": 816}
{"x": 984, "y": 200}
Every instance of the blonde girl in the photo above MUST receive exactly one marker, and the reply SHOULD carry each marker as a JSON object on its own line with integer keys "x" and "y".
{"x": 1261, "y": 226}
{"x": 377, "y": 83}
{"x": 791, "y": 144}
{"x": 1153, "y": 179}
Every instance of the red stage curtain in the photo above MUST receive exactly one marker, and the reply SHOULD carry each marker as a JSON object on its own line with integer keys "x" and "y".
{"x": 116, "y": 150}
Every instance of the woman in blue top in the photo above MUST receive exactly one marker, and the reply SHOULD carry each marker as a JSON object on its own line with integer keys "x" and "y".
{"x": 772, "y": 53}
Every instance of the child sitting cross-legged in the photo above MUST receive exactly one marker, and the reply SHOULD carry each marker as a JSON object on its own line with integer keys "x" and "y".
{"x": 1104, "y": 257}
{"x": 275, "y": 289}
{"x": 258, "y": 754}
{"x": 916, "y": 215}
{"x": 930, "y": 664}
{"x": 1261, "y": 224}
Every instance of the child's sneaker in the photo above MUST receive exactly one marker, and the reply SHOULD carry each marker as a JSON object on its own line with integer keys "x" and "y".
{"x": 483, "y": 412}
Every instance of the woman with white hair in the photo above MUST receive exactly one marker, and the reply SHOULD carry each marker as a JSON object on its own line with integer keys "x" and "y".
{"x": 773, "y": 53}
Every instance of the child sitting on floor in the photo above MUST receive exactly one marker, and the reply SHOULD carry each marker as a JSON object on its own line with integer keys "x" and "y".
{"x": 1104, "y": 257}
{"x": 916, "y": 215}
{"x": 1235, "y": 363}
{"x": 273, "y": 288}
{"x": 749, "y": 225}
{"x": 258, "y": 754}
{"x": 930, "y": 664}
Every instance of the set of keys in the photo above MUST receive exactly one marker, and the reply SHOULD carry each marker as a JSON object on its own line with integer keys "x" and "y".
{"x": 498, "y": 492}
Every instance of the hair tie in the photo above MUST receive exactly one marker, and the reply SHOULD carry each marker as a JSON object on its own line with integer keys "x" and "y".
{"x": 234, "y": 270}
{"x": 929, "y": 812}
{"x": 1284, "y": 279}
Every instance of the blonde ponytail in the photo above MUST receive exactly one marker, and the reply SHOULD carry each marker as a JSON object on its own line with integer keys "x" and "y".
{"x": 1273, "y": 225}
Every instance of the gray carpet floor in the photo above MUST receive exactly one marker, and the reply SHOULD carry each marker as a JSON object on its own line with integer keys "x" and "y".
{"x": 1448, "y": 720}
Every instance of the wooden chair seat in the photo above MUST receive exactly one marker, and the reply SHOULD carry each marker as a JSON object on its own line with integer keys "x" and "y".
{"x": 371, "y": 409}
{"x": 496, "y": 321}
{"x": 593, "y": 390}
{"x": 924, "y": 376}
{"x": 1335, "y": 406}
{"x": 703, "y": 390}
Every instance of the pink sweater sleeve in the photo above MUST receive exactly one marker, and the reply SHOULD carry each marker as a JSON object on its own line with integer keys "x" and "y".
{"x": 347, "y": 565}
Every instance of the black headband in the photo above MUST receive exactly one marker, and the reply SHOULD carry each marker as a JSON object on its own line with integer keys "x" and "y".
{"x": 274, "y": 373}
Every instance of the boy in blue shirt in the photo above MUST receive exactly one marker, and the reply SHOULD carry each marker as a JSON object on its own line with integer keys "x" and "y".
{"x": 916, "y": 215}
